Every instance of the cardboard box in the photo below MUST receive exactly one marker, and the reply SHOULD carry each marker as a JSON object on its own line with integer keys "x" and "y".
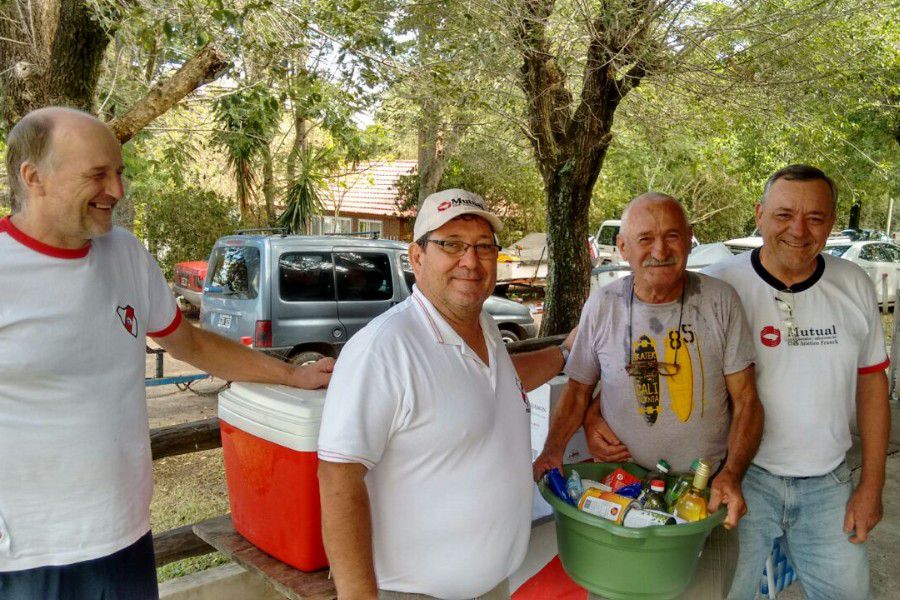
{"x": 543, "y": 400}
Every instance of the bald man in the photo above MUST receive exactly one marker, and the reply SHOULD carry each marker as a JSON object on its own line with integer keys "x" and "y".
{"x": 77, "y": 299}
{"x": 675, "y": 358}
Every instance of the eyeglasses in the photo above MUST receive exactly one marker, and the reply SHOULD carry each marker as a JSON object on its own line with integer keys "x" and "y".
{"x": 644, "y": 368}
{"x": 457, "y": 248}
{"x": 784, "y": 300}
{"x": 649, "y": 367}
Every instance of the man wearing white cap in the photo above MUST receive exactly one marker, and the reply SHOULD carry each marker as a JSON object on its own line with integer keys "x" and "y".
{"x": 425, "y": 439}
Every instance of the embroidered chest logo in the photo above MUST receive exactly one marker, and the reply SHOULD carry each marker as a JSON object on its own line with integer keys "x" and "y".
{"x": 126, "y": 316}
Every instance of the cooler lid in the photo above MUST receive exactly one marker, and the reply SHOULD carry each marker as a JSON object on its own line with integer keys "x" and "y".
{"x": 277, "y": 413}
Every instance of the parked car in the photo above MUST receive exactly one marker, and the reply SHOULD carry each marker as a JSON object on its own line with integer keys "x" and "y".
{"x": 188, "y": 281}
{"x": 303, "y": 297}
{"x": 881, "y": 260}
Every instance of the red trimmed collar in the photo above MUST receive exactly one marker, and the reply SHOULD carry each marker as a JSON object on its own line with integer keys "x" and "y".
{"x": 26, "y": 240}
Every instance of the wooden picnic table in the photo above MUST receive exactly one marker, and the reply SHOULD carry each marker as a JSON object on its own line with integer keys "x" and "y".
{"x": 294, "y": 584}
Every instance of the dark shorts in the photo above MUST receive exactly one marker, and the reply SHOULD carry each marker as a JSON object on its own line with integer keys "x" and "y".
{"x": 129, "y": 574}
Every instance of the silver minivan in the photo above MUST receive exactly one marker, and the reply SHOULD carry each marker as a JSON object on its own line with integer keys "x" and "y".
{"x": 303, "y": 297}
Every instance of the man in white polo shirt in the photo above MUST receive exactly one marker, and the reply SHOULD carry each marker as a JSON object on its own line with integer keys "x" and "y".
{"x": 820, "y": 362}
{"x": 77, "y": 299}
{"x": 424, "y": 446}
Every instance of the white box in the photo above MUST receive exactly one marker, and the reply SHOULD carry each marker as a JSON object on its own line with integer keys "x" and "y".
{"x": 543, "y": 400}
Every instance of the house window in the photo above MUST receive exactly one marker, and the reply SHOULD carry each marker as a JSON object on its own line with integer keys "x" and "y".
{"x": 323, "y": 225}
{"x": 366, "y": 225}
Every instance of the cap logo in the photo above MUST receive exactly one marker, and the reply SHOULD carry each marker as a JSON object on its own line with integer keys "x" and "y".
{"x": 459, "y": 202}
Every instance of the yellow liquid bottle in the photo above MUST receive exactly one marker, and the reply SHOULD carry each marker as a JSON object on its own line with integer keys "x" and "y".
{"x": 691, "y": 506}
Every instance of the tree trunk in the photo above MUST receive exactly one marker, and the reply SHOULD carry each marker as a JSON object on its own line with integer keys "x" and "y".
{"x": 299, "y": 145}
{"x": 855, "y": 212}
{"x": 437, "y": 142}
{"x": 268, "y": 185}
{"x": 50, "y": 54}
{"x": 570, "y": 138}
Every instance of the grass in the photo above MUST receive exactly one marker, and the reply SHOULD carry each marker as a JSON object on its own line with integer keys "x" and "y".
{"x": 188, "y": 489}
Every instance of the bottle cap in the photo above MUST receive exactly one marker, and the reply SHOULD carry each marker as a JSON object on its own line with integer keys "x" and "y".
{"x": 695, "y": 464}
{"x": 658, "y": 485}
{"x": 663, "y": 466}
{"x": 701, "y": 477}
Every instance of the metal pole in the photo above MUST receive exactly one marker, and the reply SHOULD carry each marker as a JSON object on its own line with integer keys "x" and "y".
{"x": 884, "y": 294}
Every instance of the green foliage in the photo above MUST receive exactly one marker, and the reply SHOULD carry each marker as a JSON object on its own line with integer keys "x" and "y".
{"x": 247, "y": 121}
{"x": 182, "y": 224}
{"x": 305, "y": 192}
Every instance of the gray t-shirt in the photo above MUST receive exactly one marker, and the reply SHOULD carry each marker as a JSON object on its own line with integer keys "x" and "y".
{"x": 677, "y": 417}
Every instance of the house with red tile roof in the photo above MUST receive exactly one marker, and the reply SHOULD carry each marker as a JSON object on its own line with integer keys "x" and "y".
{"x": 366, "y": 200}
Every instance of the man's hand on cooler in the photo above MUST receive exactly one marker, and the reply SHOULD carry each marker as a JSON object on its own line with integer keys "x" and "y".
{"x": 313, "y": 376}
{"x": 726, "y": 489}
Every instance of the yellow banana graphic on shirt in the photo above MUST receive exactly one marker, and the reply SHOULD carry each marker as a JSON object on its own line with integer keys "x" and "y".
{"x": 681, "y": 384}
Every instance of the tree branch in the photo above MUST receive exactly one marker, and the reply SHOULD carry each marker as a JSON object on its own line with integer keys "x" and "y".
{"x": 202, "y": 68}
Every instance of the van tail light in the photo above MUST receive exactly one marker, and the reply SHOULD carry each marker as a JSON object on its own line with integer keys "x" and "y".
{"x": 263, "y": 336}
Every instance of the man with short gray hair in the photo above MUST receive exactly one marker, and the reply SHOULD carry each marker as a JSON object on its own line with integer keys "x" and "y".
{"x": 820, "y": 365}
{"x": 78, "y": 298}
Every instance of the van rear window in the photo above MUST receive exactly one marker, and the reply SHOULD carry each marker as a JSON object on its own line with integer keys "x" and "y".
{"x": 305, "y": 277}
{"x": 235, "y": 272}
{"x": 363, "y": 276}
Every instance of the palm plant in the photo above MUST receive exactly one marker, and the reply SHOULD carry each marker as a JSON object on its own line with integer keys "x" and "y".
{"x": 304, "y": 194}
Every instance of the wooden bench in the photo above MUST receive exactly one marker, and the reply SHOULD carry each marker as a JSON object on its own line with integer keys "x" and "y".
{"x": 294, "y": 584}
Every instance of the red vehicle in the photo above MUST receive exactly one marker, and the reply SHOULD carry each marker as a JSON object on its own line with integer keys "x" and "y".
{"x": 188, "y": 281}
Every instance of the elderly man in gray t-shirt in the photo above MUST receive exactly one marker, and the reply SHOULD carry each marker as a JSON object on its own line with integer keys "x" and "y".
{"x": 674, "y": 357}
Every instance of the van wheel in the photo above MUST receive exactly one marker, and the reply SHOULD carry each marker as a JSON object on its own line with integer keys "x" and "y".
{"x": 305, "y": 358}
{"x": 508, "y": 336}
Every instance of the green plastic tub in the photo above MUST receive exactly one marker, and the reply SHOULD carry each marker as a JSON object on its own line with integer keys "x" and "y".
{"x": 620, "y": 563}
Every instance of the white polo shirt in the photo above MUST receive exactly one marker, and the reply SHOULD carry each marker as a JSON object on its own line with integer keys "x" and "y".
{"x": 446, "y": 440}
{"x": 806, "y": 379}
{"x": 75, "y": 470}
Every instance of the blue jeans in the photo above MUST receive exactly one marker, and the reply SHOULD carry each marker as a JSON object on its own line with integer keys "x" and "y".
{"x": 129, "y": 574}
{"x": 809, "y": 512}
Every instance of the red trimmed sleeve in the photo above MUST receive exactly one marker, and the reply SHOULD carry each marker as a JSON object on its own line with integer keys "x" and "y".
{"x": 874, "y": 368}
{"x": 176, "y": 321}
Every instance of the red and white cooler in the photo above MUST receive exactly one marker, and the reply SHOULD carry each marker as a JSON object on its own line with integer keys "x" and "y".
{"x": 269, "y": 437}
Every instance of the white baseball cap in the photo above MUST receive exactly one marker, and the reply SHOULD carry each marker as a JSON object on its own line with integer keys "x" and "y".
{"x": 443, "y": 206}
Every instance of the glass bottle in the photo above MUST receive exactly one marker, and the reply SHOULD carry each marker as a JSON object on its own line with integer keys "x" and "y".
{"x": 691, "y": 506}
{"x": 654, "y": 500}
{"x": 681, "y": 485}
{"x": 661, "y": 472}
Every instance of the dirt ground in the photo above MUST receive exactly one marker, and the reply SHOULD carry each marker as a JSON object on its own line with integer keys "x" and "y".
{"x": 191, "y": 487}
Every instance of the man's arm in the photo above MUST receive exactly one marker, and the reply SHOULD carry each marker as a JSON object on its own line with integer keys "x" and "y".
{"x": 231, "y": 361}
{"x": 347, "y": 528}
{"x": 537, "y": 368}
{"x": 743, "y": 442}
{"x": 873, "y": 415}
{"x": 567, "y": 417}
